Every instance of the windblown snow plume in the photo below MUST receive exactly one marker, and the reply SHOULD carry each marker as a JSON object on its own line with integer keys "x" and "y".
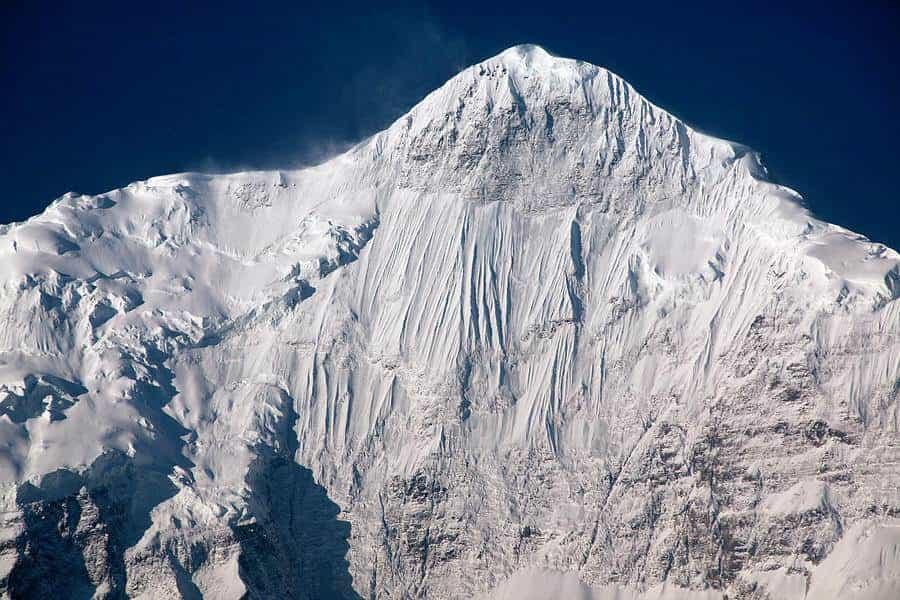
{"x": 538, "y": 338}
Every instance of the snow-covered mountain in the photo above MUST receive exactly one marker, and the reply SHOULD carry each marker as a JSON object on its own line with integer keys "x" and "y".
{"x": 537, "y": 338}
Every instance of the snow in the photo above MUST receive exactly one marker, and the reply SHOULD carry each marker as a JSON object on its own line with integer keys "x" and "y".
{"x": 537, "y": 335}
{"x": 803, "y": 496}
{"x": 864, "y": 565}
{"x": 780, "y": 583}
{"x": 542, "y": 584}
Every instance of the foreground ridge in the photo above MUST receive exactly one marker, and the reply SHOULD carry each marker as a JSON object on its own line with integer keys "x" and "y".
{"x": 537, "y": 335}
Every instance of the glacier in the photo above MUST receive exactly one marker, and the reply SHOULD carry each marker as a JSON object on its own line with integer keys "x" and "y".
{"x": 539, "y": 337}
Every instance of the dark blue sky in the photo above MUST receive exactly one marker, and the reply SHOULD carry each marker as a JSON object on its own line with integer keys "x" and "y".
{"x": 96, "y": 95}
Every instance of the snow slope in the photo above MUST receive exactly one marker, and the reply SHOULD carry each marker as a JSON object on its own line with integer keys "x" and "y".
{"x": 536, "y": 326}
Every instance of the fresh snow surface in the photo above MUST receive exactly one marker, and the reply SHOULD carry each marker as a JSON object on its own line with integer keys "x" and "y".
{"x": 538, "y": 338}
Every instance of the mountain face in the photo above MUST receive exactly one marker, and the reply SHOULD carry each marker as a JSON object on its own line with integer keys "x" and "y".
{"x": 538, "y": 337}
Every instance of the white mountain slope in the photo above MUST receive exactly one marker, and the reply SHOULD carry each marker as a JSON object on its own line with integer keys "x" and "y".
{"x": 538, "y": 337}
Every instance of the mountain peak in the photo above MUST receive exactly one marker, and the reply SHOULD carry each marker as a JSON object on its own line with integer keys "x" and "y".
{"x": 538, "y": 321}
{"x": 517, "y": 121}
{"x": 524, "y": 83}
{"x": 532, "y": 58}
{"x": 526, "y": 60}
{"x": 529, "y": 54}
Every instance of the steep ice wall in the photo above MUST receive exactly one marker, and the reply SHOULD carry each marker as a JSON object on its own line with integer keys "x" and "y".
{"x": 536, "y": 325}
